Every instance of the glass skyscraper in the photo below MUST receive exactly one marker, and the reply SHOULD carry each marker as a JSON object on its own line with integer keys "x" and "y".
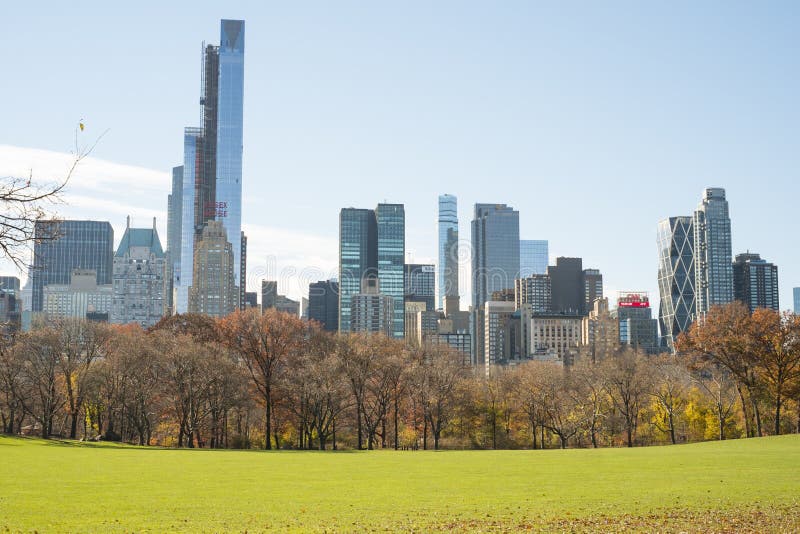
{"x": 358, "y": 235}
{"x": 391, "y": 219}
{"x": 420, "y": 284}
{"x": 533, "y": 257}
{"x": 495, "y": 250}
{"x": 713, "y": 255}
{"x": 676, "y": 276}
{"x": 174, "y": 218}
{"x": 212, "y": 168}
{"x": 62, "y": 246}
{"x": 372, "y": 244}
{"x": 447, "y": 283}
{"x": 755, "y": 282}
{"x": 796, "y": 298}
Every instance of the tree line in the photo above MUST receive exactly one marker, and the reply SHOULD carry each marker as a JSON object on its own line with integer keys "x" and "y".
{"x": 271, "y": 380}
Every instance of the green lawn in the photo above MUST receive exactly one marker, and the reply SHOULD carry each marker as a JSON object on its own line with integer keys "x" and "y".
{"x": 63, "y": 487}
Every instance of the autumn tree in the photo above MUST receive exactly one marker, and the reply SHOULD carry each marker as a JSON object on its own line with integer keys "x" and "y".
{"x": 776, "y": 346}
{"x": 669, "y": 389}
{"x": 264, "y": 342}
{"x": 627, "y": 384}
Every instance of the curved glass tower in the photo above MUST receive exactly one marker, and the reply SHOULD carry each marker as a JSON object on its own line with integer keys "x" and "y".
{"x": 447, "y": 279}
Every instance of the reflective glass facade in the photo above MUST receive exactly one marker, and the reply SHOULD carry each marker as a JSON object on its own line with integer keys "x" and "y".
{"x": 447, "y": 283}
{"x": 229, "y": 137}
{"x": 495, "y": 250}
{"x": 676, "y": 276}
{"x": 420, "y": 281}
{"x": 713, "y": 255}
{"x": 182, "y": 275}
{"x": 796, "y": 298}
{"x": 357, "y": 257}
{"x": 755, "y": 282}
{"x": 391, "y": 220}
{"x": 533, "y": 257}
{"x": 61, "y": 247}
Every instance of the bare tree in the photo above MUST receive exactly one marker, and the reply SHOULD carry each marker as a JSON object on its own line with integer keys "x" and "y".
{"x": 24, "y": 201}
{"x": 627, "y": 385}
{"x": 670, "y": 385}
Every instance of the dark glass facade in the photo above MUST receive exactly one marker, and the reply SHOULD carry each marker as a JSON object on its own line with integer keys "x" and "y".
{"x": 755, "y": 282}
{"x": 66, "y": 245}
{"x": 420, "y": 284}
{"x": 323, "y": 304}
{"x": 448, "y": 248}
{"x": 495, "y": 250}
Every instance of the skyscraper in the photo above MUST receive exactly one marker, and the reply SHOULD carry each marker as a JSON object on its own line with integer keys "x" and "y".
{"x": 495, "y": 250}
{"x": 796, "y": 298}
{"x": 358, "y": 256}
{"x": 60, "y": 247}
{"x": 391, "y": 219}
{"x": 140, "y": 278}
{"x": 567, "y": 286}
{"x": 676, "y": 276}
{"x": 755, "y": 282}
{"x": 212, "y": 169}
{"x": 712, "y": 248}
{"x": 592, "y": 288}
{"x": 420, "y": 282}
{"x": 323, "y": 304}
{"x": 174, "y": 217}
{"x": 269, "y": 294}
{"x": 447, "y": 284}
{"x": 637, "y": 327}
{"x": 533, "y": 257}
{"x": 372, "y": 245}
{"x": 212, "y": 291}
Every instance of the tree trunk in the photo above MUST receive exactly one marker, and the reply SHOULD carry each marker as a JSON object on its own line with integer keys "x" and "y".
{"x": 268, "y": 419}
{"x": 629, "y": 431}
{"x": 396, "y": 437}
{"x": 778, "y": 402}
{"x": 748, "y": 427}
{"x": 672, "y": 427}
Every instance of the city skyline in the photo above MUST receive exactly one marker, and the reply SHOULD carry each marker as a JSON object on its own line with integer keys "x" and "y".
{"x": 295, "y": 239}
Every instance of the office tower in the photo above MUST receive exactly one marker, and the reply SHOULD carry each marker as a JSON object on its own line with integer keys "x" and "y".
{"x": 495, "y": 250}
{"x": 420, "y": 284}
{"x": 637, "y": 328}
{"x": 599, "y": 332}
{"x": 568, "y": 291}
{"x": 372, "y": 311}
{"x": 212, "y": 174}
{"x": 82, "y": 297}
{"x": 448, "y": 251}
{"x": 251, "y": 300}
{"x": 676, "y": 277}
{"x": 174, "y": 217}
{"x": 213, "y": 291}
{"x": 372, "y": 243}
{"x": 323, "y": 304}
{"x": 533, "y": 291}
{"x": 592, "y": 288}
{"x": 712, "y": 247}
{"x": 796, "y": 298}
{"x": 358, "y": 256}
{"x": 755, "y": 282}
{"x": 269, "y": 293}
{"x": 10, "y": 305}
{"x": 533, "y": 257}
{"x": 191, "y": 224}
{"x": 286, "y": 305}
{"x": 391, "y": 220}
{"x": 60, "y": 247}
{"x": 140, "y": 279}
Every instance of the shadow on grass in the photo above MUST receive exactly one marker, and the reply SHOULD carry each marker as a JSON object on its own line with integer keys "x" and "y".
{"x": 9, "y": 440}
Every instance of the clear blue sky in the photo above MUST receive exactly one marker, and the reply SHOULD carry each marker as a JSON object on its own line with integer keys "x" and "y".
{"x": 594, "y": 120}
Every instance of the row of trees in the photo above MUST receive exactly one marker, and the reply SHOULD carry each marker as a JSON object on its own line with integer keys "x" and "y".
{"x": 274, "y": 381}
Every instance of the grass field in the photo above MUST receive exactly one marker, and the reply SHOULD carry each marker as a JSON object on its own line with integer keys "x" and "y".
{"x": 743, "y": 485}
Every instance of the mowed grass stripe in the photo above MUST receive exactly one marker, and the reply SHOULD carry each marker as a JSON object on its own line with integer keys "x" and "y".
{"x": 56, "y": 486}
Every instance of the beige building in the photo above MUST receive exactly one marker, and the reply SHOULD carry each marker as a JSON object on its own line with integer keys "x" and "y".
{"x": 599, "y": 332}
{"x": 213, "y": 291}
{"x": 554, "y": 337}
